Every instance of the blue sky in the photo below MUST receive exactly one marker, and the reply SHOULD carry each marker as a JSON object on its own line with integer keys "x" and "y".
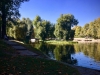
{"x": 83, "y": 10}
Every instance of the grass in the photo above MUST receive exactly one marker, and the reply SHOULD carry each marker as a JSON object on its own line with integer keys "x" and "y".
{"x": 54, "y": 42}
{"x": 25, "y": 65}
{"x": 34, "y": 66}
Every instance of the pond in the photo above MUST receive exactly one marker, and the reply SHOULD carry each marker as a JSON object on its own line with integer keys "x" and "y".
{"x": 80, "y": 54}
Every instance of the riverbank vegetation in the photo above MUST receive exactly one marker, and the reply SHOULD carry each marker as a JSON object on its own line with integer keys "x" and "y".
{"x": 54, "y": 42}
{"x": 89, "y": 30}
{"x": 41, "y": 29}
{"x": 26, "y": 29}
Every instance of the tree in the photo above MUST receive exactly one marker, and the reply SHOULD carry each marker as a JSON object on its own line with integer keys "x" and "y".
{"x": 17, "y": 31}
{"x": 46, "y": 25}
{"x": 41, "y": 33}
{"x": 98, "y": 27}
{"x": 22, "y": 31}
{"x": 0, "y": 26}
{"x": 36, "y": 20}
{"x": 57, "y": 31}
{"x": 29, "y": 27}
{"x": 77, "y": 31}
{"x": 41, "y": 27}
{"x": 36, "y": 24}
{"x": 9, "y": 10}
{"x": 51, "y": 31}
{"x": 92, "y": 31}
{"x": 72, "y": 33}
{"x": 84, "y": 30}
{"x": 63, "y": 26}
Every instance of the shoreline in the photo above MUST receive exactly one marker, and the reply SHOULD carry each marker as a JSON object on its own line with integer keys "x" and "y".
{"x": 87, "y": 71}
{"x": 82, "y": 70}
{"x": 86, "y": 40}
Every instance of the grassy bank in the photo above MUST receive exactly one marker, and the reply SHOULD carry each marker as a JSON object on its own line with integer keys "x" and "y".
{"x": 54, "y": 42}
{"x": 24, "y": 65}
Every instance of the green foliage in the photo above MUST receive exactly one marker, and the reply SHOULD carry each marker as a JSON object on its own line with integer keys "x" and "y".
{"x": 89, "y": 30}
{"x": 54, "y": 42}
{"x": 72, "y": 33}
{"x": 29, "y": 26}
{"x": 63, "y": 26}
{"x": 20, "y": 33}
{"x": 9, "y": 11}
{"x": 42, "y": 28}
{"x": 51, "y": 32}
{"x": 36, "y": 20}
{"x": 21, "y": 29}
{"x": 41, "y": 33}
{"x": 11, "y": 7}
{"x": 78, "y": 30}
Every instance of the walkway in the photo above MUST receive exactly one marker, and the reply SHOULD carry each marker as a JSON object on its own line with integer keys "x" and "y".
{"x": 20, "y": 49}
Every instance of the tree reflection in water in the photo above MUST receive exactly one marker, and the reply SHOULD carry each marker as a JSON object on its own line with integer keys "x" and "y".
{"x": 64, "y": 53}
{"x": 58, "y": 52}
{"x": 89, "y": 49}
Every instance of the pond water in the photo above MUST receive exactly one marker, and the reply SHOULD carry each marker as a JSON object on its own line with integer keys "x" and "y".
{"x": 80, "y": 54}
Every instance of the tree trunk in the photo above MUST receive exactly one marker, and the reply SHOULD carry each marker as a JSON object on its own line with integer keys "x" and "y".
{"x": 3, "y": 27}
{"x": 0, "y": 30}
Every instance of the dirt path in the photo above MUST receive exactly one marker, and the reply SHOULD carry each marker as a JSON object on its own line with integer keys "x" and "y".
{"x": 20, "y": 49}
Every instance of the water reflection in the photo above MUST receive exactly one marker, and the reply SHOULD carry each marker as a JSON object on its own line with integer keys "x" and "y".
{"x": 58, "y": 52}
{"x": 86, "y": 54}
{"x": 89, "y": 49}
{"x": 63, "y": 53}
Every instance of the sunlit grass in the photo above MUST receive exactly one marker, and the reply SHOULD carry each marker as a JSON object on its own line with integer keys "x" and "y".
{"x": 54, "y": 42}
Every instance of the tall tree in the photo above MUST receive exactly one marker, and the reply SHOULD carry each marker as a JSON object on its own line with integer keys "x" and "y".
{"x": 84, "y": 30}
{"x": 63, "y": 26}
{"x": 36, "y": 24}
{"x": 17, "y": 31}
{"x": 0, "y": 26}
{"x": 9, "y": 10}
{"x": 77, "y": 31}
{"x": 36, "y": 20}
{"x": 91, "y": 29}
{"x": 51, "y": 32}
{"x": 42, "y": 28}
{"x": 46, "y": 25}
